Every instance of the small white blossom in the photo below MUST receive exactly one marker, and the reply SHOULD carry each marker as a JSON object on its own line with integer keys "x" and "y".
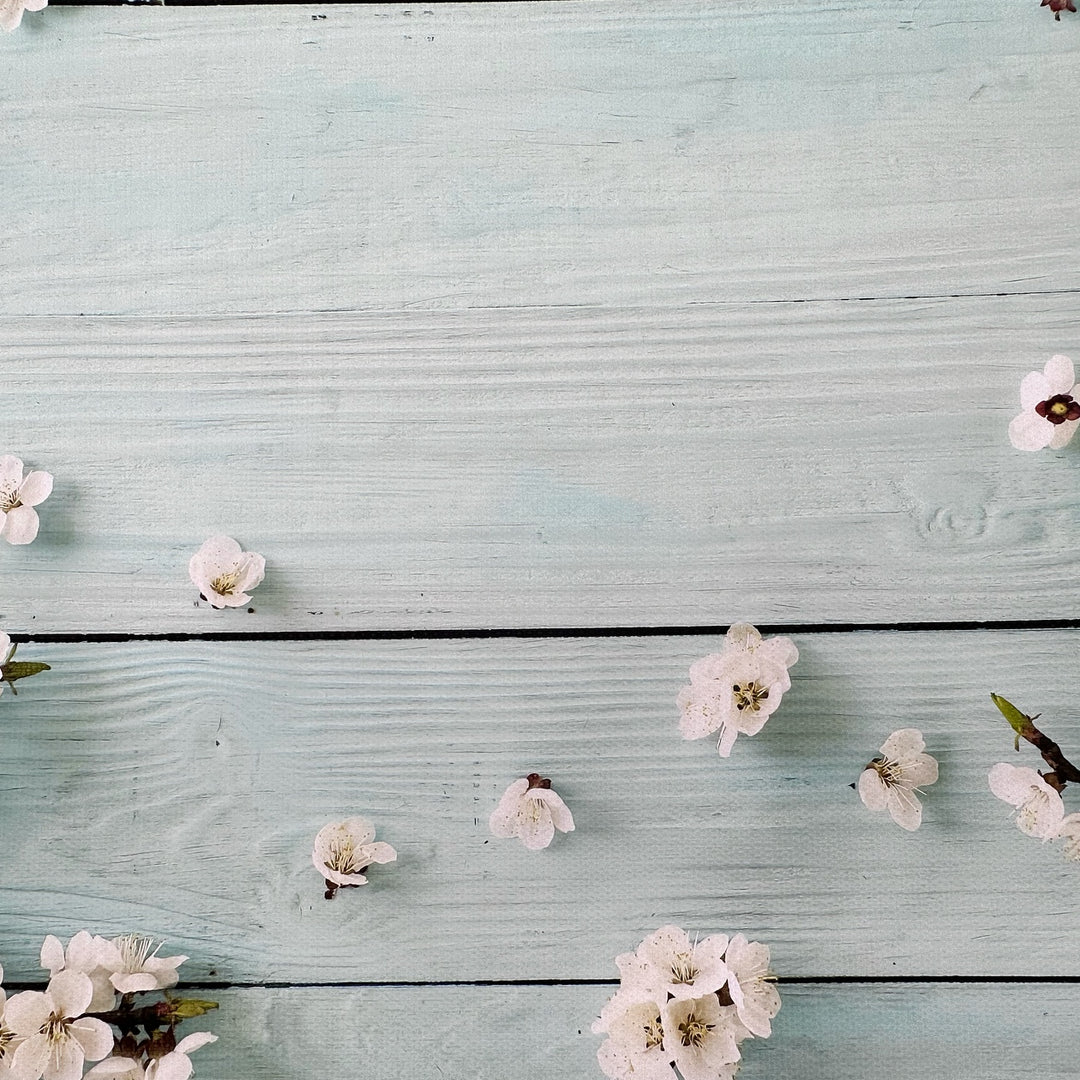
{"x": 1039, "y": 809}
{"x": 134, "y": 965}
{"x": 669, "y": 964}
{"x": 11, "y": 11}
{"x": 531, "y": 811}
{"x": 345, "y": 849}
{"x": 175, "y": 1065}
{"x": 737, "y": 689}
{"x": 635, "y": 1047}
{"x": 1069, "y": 831}
{"x": 83, "y": 953}
{"x": 19, "y": 495}
{"x": 223, "y": 572}
{"x": 892, "y": 782}
{"x": 700, "y": 1034}
{"x": 1051, "y": 412}
{"x": 751, "y": 989}
{"x": 57, "y": 1038}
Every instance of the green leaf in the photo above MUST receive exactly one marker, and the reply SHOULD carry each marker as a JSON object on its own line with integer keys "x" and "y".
{"x": 186, "y": 1008}
{"x": 1017, "y": 720}
{"x": 20, "y": 670}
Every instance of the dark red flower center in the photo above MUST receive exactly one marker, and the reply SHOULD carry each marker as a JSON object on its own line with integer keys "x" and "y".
{"x": 1059, "y": 408}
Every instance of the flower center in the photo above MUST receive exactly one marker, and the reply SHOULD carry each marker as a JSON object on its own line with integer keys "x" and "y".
{"x": 891, "y": 772}
{"x": 9, "y": 496}
{"x": 654, "y": 1033}
{"x": 225, "y": 584}
{"x": 343, "y": 857}
{"x": 135, "y": 950}
{"x": 693, "y": 1030}
{"x": 6, "y": 1035}
{"x": 749, "y": 696}
{"x": 683, "y": 969}
{"x": 55, "y": 1028}
{"x": 1033, "y": 808}
{"x": 1059, "y": 408}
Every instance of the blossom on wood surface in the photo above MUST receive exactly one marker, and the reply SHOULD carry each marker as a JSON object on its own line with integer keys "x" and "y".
{"x": 737, "y": 689}
{"x": 687, "y": 1006}
{"x": 344, "y": 850}
{"x": 1050, "y": 411}
{"x": 1039, "y": 809}
{"x": 18, "y": 496}
{"x": 56, "y": 1037}
{"x": 223, "y": 572}
{"x": 531, "y": 811}
{"x": 893, "y": 781}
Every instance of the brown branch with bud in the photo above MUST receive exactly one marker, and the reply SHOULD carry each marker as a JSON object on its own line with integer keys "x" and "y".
{"x": 1062, "y": 771}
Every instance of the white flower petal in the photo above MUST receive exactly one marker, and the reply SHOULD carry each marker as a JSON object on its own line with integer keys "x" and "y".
{"x": 742, "y": 636}
{"x": 1034, "y": 388}
{"x": 872, "y": 790}
{"x": 11, "y": 471}
{"x": 905, "y": 743}
{"x": 32, "y": 1057}
{"x": 70, "y": 991}
{"x": 1060, "y": 376}
{"x": 93, "y": 1035}
{"x": 27, "y": 1013}
{"x": 1029, "y": 431}
{"x": 52, "y": 954}
{"x": 561, "y": 817}
{"x": 20, "y": 525}
{"x": 35, "y": 489}
{"x": 922, "y": 770}
{"x": 536, "y": 829}
{"x": 1014, "y": 783}
{"x": 190, "y": 1043}
{"x": 1063, "y": 434}
{"x": 905, "y": 808}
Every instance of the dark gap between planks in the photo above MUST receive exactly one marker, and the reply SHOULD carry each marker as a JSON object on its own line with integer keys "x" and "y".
{"x": 467, "y": 633}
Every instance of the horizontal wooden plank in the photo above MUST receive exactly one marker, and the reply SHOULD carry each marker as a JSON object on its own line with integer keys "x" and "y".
{"x": 823, "y": 1032}
{"x": 176, "y": 788}
{"x": 267, "y": 159}
{"x": 575, "y": 467}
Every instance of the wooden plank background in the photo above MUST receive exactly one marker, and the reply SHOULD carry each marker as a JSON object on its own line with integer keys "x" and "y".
{"x": 538, "y": 322}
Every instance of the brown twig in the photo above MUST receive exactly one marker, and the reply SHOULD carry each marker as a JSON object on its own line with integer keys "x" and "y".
{"x": 1062, "y": 771}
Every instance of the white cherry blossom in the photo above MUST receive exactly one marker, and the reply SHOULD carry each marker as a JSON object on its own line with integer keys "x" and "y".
{"x": 751, "y": 988}
{"x": 223, "y": 572}
{"x": 669, "y": 964}
{"x": 531, "y": 811}
{"x": 893, "y": 781}
{"x": 1050, "y": 412}
{"x": 635, "y": 1048}
{"x": 11, "y": 11}
{"x": 134, "y": 965}
{"x": 19, "y": 495}
{"x": 700, "y": 1034}
{"x": 57, "y": 1038}
{"x": 345, "y": 849}
{"x": 83, "y": 953}
{"x": 1039, "y": 809}
{"x": 737, "y": 689}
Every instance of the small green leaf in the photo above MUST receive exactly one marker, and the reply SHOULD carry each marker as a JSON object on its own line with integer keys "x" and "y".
{"x": 1017, "y": 720}
{"x": 22, "y": 670}
{"x": 186, "y": 1008}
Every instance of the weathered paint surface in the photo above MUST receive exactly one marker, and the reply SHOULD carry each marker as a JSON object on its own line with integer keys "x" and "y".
{"x": 578, "y": 315}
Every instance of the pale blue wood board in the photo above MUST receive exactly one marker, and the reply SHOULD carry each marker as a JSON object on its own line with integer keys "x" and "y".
{"x": 568, "y": 467}
{"x": 175, "y": 788}
{"x": 611, "y": 152}
{"x": 823, "y": 1032}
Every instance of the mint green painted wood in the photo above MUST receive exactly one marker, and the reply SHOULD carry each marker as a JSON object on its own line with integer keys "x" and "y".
{"x": 543, "y": 467}
{"x": 823, "y": 1032}
{"x": 176, "y": 788}
{"x": 616, "y": 153}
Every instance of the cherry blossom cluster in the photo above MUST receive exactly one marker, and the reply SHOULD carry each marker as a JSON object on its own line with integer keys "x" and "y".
{"x": 87, "y": 1013}
{"x": 686, "y": 1006}
{"x": 736, "y": 690}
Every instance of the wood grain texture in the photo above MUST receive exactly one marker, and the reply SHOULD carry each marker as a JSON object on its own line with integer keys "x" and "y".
{"x": 569, "y": 467}
{"x": 823, "y": 1032}
{"x": 176, "y": 788}
{"x": 223, "y": 160}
